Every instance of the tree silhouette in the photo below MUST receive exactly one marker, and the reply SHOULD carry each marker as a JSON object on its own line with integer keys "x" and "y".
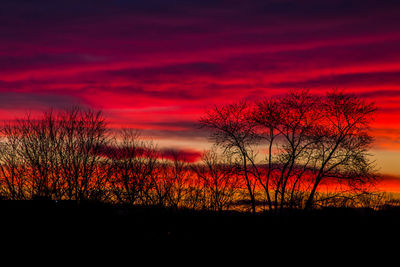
{"x": 287, "y": 123}
{"x": 308, "y": 139}
{"x": 133, "y": 165}
{"x": 232, "y": 130}
{"x": 343, "y": 142}
{"x": 82, "y": 136}
{"x": 55, "y": 156}
{"x": 219, "y": 180}
{"x": 13, "y": 173}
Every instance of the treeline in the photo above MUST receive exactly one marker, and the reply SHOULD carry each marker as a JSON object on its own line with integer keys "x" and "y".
{"x": 274, "y": 153}
{"x": 72, "y": 155}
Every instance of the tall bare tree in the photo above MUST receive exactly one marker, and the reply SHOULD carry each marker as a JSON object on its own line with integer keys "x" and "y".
{"x": 308, "y": 139}
{"x": 82, "y": 136}
{"x": 341, "y": 152}
{"x": 287, "y": 122}
{"x": 232, "y": 130}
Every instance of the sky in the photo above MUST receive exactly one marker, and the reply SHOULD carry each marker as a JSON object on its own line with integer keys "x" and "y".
{"x": 157, "y": 65}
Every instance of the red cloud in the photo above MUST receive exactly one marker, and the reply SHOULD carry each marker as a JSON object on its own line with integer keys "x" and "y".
{"x": 171, "y": 154}
{"x": 187, "y": 155}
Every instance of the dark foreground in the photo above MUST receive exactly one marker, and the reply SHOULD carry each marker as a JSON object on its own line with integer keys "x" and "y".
{"x": 95, "y": 223}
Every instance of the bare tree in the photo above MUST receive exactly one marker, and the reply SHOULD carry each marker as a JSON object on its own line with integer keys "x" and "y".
{"x": 235, "y": 134}
{"x": 134, "y": 164}
{"x": 341, "y": 152}
{"x": 288, "y": 121}
{"x": 55, "y": 156}
{"x": 219, "y": 179}
{"x": 36, "y": 148}
{"x": 266, "y": 116}
{"x": 178, "y": 175}
{"x": 162, "y": 184}
{"x": 308, "y": 139}
{"x": 82, "y": 136}
{"x": 142, "y": 174}
{"x": 13, "y": 172}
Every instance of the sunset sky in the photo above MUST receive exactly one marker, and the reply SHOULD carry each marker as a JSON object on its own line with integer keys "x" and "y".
{"x": 156, "y": 65}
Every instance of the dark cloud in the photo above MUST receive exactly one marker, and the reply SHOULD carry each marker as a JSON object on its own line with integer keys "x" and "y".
{"x": 16, "y": 63}
{"x": 194, "y": 68}
{"x": 184, "y": 155}
{"x": 75, "y": 8}
{"x": 380, "y": 93}
{"x": 189, "y": 134}
{"x": 189, "y": 125}
{"x": 345, "y": 81}
{"x": 159, "y": 18}
{"x": 13, "y": 100}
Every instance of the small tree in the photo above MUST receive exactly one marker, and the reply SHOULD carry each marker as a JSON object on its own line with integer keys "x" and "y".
{"x": 133, "y": 165}
{"x": 177, "y": 177}
{"x": 13, "y": 172}
{"x": 219, "y": 180}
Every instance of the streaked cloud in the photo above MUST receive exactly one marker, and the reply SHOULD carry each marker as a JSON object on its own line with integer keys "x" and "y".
{"x": 156, "y": 65}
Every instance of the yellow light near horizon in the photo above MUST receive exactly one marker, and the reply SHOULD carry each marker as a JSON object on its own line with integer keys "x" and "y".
{"x": 387, "y": 161}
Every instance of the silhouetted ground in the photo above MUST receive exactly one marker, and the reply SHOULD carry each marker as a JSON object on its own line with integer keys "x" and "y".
{"x": 66, "y": 221}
